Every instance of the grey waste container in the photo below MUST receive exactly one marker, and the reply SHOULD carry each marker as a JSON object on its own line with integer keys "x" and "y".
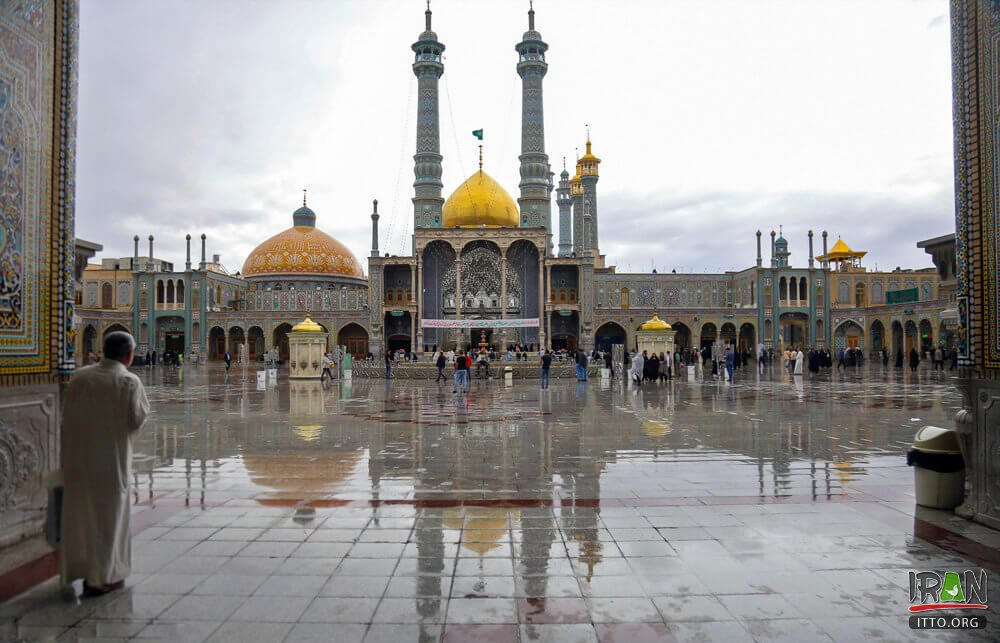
{"x": 938, "y": 468}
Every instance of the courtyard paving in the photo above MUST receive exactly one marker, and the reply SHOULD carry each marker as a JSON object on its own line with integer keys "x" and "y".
{"x": 775, "y": 508}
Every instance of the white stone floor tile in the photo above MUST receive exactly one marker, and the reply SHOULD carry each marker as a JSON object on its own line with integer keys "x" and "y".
{"x": 680, "y": 536}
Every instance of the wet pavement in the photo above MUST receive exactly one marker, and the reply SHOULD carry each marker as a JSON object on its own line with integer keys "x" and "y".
{"x": 777, "y": 508}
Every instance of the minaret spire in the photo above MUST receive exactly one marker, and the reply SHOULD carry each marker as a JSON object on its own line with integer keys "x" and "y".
{"x": 565, "y": 202}
{"x": 587, "y": 169}
{"x": 428, "y": 68}
{"x": 536, "y": 186}
{"x": 375, "y": 219}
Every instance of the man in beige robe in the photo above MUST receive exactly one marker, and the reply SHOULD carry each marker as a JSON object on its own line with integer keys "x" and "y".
{"x": 103, "y": 408}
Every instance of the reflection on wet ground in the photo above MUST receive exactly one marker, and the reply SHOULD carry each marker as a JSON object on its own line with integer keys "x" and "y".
{"x": 774, "y": 508}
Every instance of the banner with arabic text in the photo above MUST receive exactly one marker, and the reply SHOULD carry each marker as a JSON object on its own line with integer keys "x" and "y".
{"x": 479, "y": 323}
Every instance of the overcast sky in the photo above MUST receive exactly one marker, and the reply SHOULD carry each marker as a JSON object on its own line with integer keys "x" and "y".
{"x": 713, "y": 119}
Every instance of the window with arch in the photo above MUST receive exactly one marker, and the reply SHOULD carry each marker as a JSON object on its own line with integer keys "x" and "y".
{"x": 159, "y": 291}
{"x": 170, "y": 292}
{"x": 859, "y": 296}
{"x": 571, "y": 297}
{"x": 180, "y": 291}
{"x": 107, "y": 296}
{"x": 196, "y": 299}
{"x": 751, "y": 294}
{"x": 782, "y": 289}
{"x": 803, "y": 289}
{"x": 626, "y": 298}
{"x": 562, "y": 295}
{"x": 843, "y": 293}
{"x": 877, "y": 295}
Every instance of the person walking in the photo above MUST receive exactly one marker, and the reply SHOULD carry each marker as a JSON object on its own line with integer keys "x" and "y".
{"x": 797, "y": 370}
{"x": 652, "y": 368}
{"x": 225, "y": 358}
{"x": 581, "y": 365}
{"x": 388, "y": 365}
{"x": 546, "y": 365}
{"x": 104, "y": 407}
{"x": 440, "y": 363}
{"x": 939, "y": 358}
{"x": 914, "y": 359}
{"x": 636, "y": 371}
{"x": 730, "y": 362}
{"x": 461, "y": 373}
{"x": 327, "y": 367}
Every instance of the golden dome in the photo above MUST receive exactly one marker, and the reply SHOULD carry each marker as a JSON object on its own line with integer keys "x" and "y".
{"x": 483, "y": 527}
{"x": 302, "y": 250}
{"x": 480, "y": 202}
{"x": 655, "y": 428}
{"x": 307, "y": 326}
{"x": 301, "y": 473}
{"x": 655, "y": 324}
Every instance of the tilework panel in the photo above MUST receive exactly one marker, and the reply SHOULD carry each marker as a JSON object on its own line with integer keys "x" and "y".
{"x": 37, "y": 139}
{"x": 975, "y": 69}
{"x": 25, "y": 211}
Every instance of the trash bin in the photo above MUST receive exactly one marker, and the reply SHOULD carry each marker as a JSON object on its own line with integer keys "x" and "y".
{"x": 938, "y": 468}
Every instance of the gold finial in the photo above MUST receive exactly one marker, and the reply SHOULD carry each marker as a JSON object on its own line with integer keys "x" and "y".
{"x": 781, "y": 232}
{"x": 564, "y": 163}
{"x": 303, "y": 197}
{"x": 480, "y": 158}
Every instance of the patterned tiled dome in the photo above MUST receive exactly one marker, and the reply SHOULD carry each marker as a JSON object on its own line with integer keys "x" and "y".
{"x": 302, "y": 250}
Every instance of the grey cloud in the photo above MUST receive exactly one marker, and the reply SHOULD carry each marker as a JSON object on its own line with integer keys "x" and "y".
{"x": 715, "y": 231}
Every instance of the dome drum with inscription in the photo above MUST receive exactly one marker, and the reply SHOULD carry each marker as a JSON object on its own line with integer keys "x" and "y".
{"x": 303, "y": 252}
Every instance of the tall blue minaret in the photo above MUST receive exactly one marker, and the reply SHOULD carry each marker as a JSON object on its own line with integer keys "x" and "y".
{"x": 428, "y": 68}
{"x": 586, "y": 168}
{"x": 534, "y": 203}
{"x": 565, "y": 202}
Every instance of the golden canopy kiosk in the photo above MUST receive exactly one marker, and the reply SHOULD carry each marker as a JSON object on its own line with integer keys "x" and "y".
{"x": 655, "y": 336}
{"x": 306, "y": 344}
{"x": 843, "y": 258}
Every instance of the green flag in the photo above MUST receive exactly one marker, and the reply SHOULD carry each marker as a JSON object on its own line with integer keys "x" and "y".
{"x": 478, "y": 133}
